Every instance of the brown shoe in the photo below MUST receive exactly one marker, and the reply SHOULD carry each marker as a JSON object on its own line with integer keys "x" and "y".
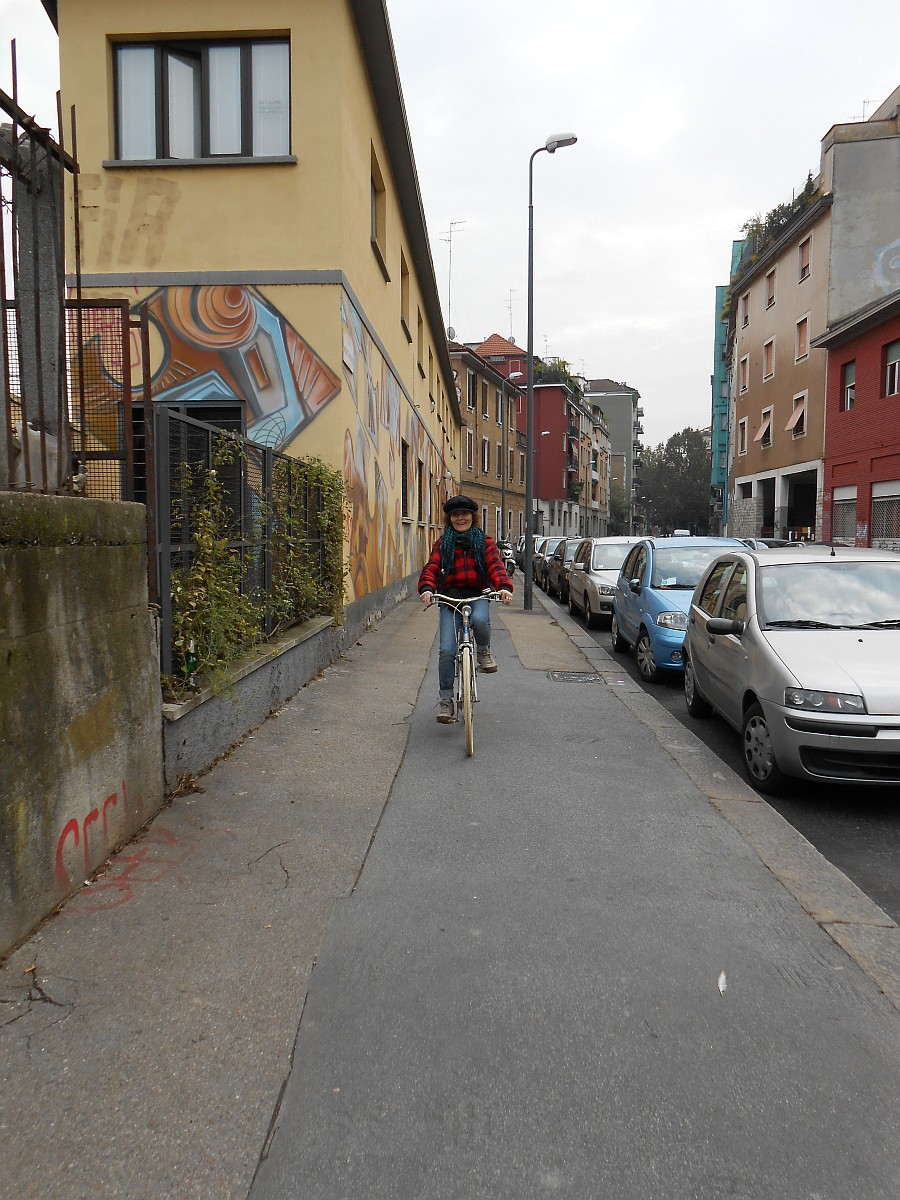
{"x": 486, "y": 661}
{"x": 446, "y": 713}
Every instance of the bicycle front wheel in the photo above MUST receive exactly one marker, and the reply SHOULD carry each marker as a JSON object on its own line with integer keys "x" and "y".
{"x": 467, "y": 687}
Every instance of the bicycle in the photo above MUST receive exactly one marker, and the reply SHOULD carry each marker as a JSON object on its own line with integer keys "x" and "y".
{"x": 465, "y": 687}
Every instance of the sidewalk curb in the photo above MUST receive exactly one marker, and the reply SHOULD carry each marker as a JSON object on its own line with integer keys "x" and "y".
{"x": 850, "y": 918}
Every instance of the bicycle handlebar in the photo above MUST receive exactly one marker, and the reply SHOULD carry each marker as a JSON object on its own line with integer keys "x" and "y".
{"x": 457, "y": 601}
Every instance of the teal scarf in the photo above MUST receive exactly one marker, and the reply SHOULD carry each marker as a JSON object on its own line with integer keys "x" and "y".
{"x": 473, "y": 539}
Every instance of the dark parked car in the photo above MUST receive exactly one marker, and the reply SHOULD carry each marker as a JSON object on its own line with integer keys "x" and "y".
{"x": 542, "y": 554}
{"x": 557, "y": 573}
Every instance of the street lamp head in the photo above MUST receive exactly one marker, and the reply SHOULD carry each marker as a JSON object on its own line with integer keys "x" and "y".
{"x": 514, "y": 375}
{"x": 557, "y": 140}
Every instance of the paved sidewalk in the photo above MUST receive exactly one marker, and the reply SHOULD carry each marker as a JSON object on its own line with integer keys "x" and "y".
{"x": 516, "y": 992}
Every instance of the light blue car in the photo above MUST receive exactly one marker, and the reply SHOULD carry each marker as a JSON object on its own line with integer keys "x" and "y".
{"x": 653, "y": 598}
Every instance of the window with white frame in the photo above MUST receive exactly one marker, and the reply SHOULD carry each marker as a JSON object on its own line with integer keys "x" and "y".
{"x": 763, "y": 435}
{"x": 848, "y": 386}
{"x": 742, "y": 436}
{"x": 512, "y": 464}
{"x": 498, "y": 523}
{"x": 471, "y": 390}
{"x": 892, "y": 369}
{"x": 804, "y": 259}
{"x": 770, "y": 289}
{"x": 796, "y": 425}
{"x": 744, "y": 373}
{"x": 499, "y": 460}
{"x": 801, "y": 343}
{"x": 499, "y": 406}
{"x": 745, "y": 310}
{"x": 485, "y": 456}
{"x": 484, "y": 516}
{"x": 420, "y": 492}
{"x": 484, "y": 399}
{"x": 769, "y": 359}
{"x": 470, "y": 450}
{"x": 202, "y": 99}
{"x": 521, "y": 466}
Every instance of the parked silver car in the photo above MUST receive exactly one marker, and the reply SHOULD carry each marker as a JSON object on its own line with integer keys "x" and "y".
{"x": 799, "y": 650}
{"x": 593, "y": 574}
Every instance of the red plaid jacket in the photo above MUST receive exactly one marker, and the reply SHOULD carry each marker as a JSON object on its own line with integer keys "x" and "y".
{"x": 464, "y": 579}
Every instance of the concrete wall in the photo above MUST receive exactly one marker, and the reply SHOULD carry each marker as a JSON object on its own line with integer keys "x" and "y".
{"x": 80, "y": 744}
{"x": 745, "y": 517}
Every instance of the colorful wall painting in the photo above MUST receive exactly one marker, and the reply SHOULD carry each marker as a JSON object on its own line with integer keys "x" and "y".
{"x": 210, "y": 344}
{"x": 383, "y": 547}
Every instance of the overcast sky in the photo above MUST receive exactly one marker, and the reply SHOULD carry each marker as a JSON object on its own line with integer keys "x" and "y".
{"x": 690, "y": 117}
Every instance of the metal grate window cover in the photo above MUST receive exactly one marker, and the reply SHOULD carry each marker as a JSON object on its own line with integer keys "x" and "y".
{"x": 843, "y": 520}
{"x": 574, "y": 677}
{"x": 885, "y": 519}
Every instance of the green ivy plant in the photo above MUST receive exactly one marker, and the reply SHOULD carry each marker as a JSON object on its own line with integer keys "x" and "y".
{"x": 216, "y": 616}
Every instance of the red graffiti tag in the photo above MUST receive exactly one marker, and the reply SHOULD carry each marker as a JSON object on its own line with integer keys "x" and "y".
{"x": 79, "y": 834}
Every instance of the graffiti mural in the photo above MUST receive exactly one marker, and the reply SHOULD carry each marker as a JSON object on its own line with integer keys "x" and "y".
{"x": 383, "y": 548}
{"x": 214, "y": 344}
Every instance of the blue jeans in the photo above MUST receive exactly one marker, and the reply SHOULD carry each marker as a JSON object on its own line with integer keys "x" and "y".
{"x": 451, "y": 621}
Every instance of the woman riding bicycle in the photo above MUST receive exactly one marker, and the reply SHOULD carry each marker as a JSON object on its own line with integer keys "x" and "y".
{"x": 463, "y": 562}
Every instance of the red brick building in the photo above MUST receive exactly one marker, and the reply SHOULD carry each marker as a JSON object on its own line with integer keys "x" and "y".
{"x": 861, "y": 493}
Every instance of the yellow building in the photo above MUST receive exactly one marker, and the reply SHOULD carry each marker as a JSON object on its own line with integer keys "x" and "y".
{"x": 246, "y": 171}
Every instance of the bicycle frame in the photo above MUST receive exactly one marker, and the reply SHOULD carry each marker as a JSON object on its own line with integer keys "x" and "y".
{"x": 465, "y": 688}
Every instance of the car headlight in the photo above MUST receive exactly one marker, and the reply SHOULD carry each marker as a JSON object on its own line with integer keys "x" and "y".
{"x": 672, "y": 620}
{"x": 606, "y": 590}
{"x": 833, "y": 702}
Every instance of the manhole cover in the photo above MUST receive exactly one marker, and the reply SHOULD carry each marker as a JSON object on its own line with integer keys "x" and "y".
{"x": 574, "y": 677}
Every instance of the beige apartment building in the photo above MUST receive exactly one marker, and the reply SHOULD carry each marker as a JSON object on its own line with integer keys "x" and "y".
{"x": 493, "y": 452}
{"x": 247, "y": 173}
{"x": 779, "y": 383}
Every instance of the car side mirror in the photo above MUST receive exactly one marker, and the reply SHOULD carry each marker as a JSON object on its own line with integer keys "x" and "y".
{"x": 578, "y": 566}
{"x": 724, "y": 625}
{"x": 634, "y": 584}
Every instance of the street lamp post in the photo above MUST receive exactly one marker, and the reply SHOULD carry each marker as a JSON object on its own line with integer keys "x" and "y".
{"x": 551, "y": 146}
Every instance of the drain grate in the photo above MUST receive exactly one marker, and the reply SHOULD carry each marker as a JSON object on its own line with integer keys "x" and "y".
{"x": 574, "y": 677}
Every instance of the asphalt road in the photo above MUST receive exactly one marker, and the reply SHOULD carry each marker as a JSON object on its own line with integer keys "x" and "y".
{"x": 857, "y": 829}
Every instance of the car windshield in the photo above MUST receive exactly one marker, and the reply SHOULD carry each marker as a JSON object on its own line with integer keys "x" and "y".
{"x": 609, "y": 557}
{"x": 837, "y": 594}
{"x": 681, "y": 566}
{"x": 570, "y": 551}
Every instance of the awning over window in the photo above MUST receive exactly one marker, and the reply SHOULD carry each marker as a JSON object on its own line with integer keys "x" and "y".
{"x": 796, "y": 415}
{"x": 764, "y": 428}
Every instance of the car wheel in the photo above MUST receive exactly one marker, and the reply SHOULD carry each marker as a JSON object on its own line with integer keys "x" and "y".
{"x": 589, "y": 619}
{"x": 551, "y": 590}
{"x": 696, "y": 705}
{"x": 646, "y": 663}
{"x": 759, "y": 757}
{"x": 619, "y": 644}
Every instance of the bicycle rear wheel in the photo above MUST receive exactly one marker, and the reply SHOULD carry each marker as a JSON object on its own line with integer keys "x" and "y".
{"x": 467, "y": 687}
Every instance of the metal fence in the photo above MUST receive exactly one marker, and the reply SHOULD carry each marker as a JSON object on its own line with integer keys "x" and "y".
{"x": 264, "y": 504}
